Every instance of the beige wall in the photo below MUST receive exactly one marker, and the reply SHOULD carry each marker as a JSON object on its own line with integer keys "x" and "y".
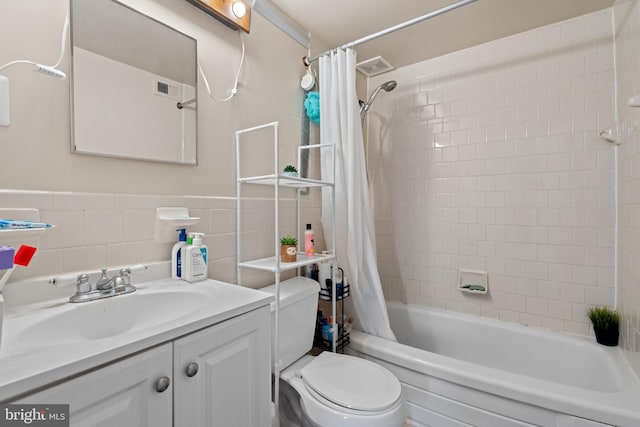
{"x": 105, "y": 207}
{"x": 36, "y": 145}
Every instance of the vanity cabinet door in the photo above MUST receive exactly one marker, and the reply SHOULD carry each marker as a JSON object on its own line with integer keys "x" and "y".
{"x": 222, "y": 374}
{"x": 124, "y": 394}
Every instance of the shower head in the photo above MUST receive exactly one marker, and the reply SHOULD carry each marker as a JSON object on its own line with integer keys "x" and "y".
{"x": 389, "y": 86}
{"x": 386, "y": 86}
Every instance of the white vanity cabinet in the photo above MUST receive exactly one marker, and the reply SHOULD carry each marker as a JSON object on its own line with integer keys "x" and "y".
{"x": 222, "y": 376}
{"x": 217, "y": 376}
{"x": 120, "y": 394}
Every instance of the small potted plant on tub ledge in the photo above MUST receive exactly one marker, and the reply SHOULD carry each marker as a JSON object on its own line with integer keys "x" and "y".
{"x": 288, "y": 249}
{"x": 290, "y": 170}
{"x": 605, "y": 325}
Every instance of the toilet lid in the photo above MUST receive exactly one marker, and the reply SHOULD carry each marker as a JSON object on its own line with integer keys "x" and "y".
{"x": 351, "y": 382}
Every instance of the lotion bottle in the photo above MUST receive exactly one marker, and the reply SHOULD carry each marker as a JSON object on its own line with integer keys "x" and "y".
{"x": 195, "y": 259}
{"x": 177, "y": 254}
{"x": 309, "y": 245}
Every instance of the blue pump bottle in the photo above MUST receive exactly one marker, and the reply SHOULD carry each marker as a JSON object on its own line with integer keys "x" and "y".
{"x": 176, "y": 254}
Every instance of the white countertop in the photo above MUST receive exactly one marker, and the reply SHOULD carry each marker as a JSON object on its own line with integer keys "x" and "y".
{"x": 25, "y": 366}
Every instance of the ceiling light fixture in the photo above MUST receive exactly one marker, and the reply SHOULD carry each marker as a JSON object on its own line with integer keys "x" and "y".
{"x": 239, "y": 9}
{"x": 235, "y": 14}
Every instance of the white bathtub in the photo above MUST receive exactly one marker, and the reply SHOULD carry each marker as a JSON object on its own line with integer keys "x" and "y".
{"x": 460, "y": 370}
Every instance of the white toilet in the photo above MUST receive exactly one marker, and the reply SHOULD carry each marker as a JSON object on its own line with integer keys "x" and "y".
{"x": 335, "y": 390}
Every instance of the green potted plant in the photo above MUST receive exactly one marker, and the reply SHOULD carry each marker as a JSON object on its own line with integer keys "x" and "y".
{"x": 288, "y": 249}
{"x": 605, "y": 325}
{"x": 290, "y": 170}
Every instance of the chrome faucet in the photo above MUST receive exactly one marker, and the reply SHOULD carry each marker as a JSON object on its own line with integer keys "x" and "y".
{"x": 105, "y": 287}
{"x": 104, "y": 283}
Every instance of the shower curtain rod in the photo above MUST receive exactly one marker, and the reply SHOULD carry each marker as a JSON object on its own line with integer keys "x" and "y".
{"x": 308, "y": 60}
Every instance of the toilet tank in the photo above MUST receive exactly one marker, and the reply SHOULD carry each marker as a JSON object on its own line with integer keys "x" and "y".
{"x": 298, "y": 308}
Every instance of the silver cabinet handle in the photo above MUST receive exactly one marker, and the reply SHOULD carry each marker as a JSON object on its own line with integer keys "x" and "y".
{"x": 192, "y": 369}
{"x": 162, "y": 384}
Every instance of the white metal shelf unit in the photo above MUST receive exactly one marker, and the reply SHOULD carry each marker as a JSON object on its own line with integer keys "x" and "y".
{"x": 270, "y": 263}
{"x": 273, "y": 264}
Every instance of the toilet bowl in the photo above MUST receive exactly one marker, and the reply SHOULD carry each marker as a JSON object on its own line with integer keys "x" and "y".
{"x": 344, "y": 391}
{"x": 335, "y": 390}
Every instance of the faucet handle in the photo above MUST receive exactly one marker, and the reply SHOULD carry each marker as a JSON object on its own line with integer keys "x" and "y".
{"x": 125, "y": 273}
{"x": 83, "y": 287}
{"x": 138, "y": 268}
{"x": 82, "y": 284}
{"x": 125, "y": 276}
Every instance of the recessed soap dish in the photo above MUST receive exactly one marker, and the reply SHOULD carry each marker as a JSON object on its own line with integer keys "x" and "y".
{"x": 473, "y": 281}
{"x": 168, "y": 220}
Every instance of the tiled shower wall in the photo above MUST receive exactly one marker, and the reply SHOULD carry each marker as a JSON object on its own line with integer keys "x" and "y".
{"x": 488, "y": 159}
{"x": 627, "y": 19}
{"x": 113, "y": 230}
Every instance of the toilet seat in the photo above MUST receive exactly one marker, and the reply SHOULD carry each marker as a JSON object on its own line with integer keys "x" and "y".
{"x": 351, "y": 384}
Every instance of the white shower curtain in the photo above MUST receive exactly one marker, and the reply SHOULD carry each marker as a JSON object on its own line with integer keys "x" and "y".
{"x": 355, "y": 235}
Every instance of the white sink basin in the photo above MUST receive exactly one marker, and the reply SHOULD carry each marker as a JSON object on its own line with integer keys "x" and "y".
{"x": 52, "y": 340}
{"x": 109, "y": 317}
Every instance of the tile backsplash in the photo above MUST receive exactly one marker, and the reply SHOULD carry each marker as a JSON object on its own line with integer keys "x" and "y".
{"x": 97, "y": 230}
{"x": 627, "y": 17}
{"x": 488, "y": 159}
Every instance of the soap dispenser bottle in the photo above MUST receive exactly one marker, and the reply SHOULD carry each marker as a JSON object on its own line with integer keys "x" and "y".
{"x": 195, "y": 259}
{"x": 177, "y": 253}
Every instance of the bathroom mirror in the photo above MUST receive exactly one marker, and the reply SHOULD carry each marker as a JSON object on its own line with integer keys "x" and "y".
{"x": 130, "y": 76}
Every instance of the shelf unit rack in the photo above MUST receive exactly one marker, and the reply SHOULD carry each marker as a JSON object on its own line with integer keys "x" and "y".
{"x": 342, "y": 338}
{"x": 272, "y": 263}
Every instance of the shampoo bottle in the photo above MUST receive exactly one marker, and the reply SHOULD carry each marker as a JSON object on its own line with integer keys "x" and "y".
{"x": 194, "y": 263}
{"x": 309, "y": 246}
{"x": 177, "y": 253}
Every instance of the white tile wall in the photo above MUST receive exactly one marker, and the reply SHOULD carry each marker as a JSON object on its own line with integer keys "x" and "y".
{"x": 627, "y": 17}
{"x": 97, "y": 230}
{"x": 488, "y": 158}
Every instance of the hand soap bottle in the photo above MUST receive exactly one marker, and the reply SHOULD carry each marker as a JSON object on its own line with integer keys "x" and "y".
{"x": 177, "y": 253}
{"x": 194, "y": 262}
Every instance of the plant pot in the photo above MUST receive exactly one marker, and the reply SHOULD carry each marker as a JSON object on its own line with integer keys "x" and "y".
{"x": 608, "y": 337}
{"x": 291, "y": 174}
{"x": 288, "y": 253}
